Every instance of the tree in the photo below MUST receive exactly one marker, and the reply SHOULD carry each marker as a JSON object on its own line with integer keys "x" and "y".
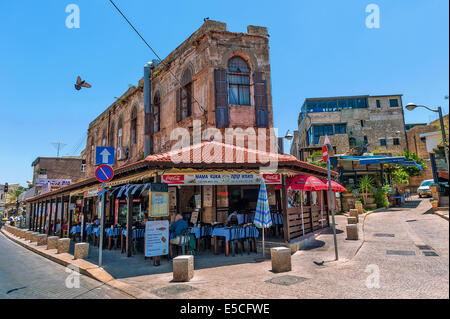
{"x": 365, "y": 186}
{"x": 400, "y": 176}
{"x": 413, "y": 171}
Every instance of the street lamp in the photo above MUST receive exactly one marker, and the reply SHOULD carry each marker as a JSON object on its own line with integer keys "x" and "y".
{"x": 412, "y": 106}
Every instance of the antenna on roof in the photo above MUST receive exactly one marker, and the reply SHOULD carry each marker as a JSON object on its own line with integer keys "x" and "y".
{"x": 58, "y": 146}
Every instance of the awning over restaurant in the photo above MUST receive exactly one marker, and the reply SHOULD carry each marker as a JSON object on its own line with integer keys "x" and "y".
{"x": 365, "y": 160}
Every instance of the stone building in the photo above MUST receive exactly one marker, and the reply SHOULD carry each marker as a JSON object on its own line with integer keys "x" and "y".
{"x": 215, "y": 78}
{"x": 349, "y": 121}
{"x": 58, "y": 171}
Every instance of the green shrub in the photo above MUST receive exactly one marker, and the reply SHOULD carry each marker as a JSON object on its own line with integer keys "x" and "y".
{"x": 380, "y": 197}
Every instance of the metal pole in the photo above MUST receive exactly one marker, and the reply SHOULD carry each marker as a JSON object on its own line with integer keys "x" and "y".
{"x": 332, "y": 211}
{"x": 444, "y": 137}
{"x": 102, "y": 216}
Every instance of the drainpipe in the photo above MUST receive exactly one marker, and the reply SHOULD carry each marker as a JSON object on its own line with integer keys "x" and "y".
{"x": 148, "y": 138}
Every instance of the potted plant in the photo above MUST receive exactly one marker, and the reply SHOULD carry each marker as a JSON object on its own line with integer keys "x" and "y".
{"x": 435, "y": 204}
{"x": 365, "y": 187}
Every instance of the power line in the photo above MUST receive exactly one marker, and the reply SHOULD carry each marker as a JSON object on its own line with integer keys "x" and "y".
{"x": 148, "y": 45}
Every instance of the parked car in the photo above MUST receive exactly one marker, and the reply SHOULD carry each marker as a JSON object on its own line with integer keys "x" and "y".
{"x": 424, "y": 188}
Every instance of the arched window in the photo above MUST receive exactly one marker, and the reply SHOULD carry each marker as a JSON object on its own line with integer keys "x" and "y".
{"x": 111, "y": 135}
{"x": 104, "y": 137}
{"x": 156, "y": 112}
{"x": 92, "y": 150}
{"x": 119, "y": 132}
{"x": 133, "y": 127}
{"x": 238, "y": 81}
{"x": 184, "y": 97}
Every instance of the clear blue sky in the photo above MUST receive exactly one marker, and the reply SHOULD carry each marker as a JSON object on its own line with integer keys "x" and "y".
{"x": 318, "y": 48}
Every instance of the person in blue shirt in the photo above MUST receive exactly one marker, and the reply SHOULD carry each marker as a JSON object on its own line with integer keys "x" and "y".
{"x": 176, "y": 229}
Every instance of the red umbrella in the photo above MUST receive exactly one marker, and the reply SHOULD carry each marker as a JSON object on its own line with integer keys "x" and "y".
{"x": 335, "y": 186}
{"x": 305, "y": 183}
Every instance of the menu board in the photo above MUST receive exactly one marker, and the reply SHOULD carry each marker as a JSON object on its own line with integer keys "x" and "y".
{"x": 207, "y": 196}
{"x": 156, "y": 238}
{"x": 159, "y": 204}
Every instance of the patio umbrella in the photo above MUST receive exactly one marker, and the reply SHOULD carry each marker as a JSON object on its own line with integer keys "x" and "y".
{"x": 262, "y": 215}
{"x": 305, "y": 183}
{"x": 335, "y": 186}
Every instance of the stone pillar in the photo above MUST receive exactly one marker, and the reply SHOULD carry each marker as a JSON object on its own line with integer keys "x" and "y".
{"x": 352, "y": 232}
{"x": 183, "y": 268}
{"x": 354, "y": 213}
{"x": 81, "y": 251}
{"x": 52, "y": 242}
{"x": 281, "y": 259}
{"x": 352, "y": 220}
{"x": 63, "y": 245}
{"x": 33, "y": 237}
{"x": 27, "y": 235}
{"x": 41, "y": 239}
{"x": 359, "y": 207}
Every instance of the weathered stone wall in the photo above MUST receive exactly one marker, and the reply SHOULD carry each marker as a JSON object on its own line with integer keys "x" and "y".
{"x": 374, "y": 123}
{"x": 417, "y": 145}
{"x": 209, "y": 48}
{"x": 59, "y": 168}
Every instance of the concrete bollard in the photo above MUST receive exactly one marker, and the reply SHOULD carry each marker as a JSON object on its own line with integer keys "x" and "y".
{"x": 354, "y": 213}
{"x": 352, "y": 220}
{"x": 183, "y": 268}
{"x": 281, "y": 259}
{"x": 352, "y": 232}
{"x": 33, "y": 237}
{"x": 52, "y": 242}
{"x": 41, "y": 240}
{"x": 81, "y": 251}
{"x": 63, "y": 245}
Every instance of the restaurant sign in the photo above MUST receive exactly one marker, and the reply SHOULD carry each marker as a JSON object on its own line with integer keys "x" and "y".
{"x": 158, "y": 200}
{"x": 52, "y": 182}
{"x": 220, "y": 179}
{"x": 156, "y": 238}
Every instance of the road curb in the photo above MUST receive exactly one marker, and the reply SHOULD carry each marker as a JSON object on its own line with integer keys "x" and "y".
{"x": 86, "y": 268}
{"x": 441, "y": 215}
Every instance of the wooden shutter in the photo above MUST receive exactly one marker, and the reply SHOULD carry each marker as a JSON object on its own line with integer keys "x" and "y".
{"x": 262, "y": 118}
{"x": 221, "y": 97}
{"x": 178, "y": 105}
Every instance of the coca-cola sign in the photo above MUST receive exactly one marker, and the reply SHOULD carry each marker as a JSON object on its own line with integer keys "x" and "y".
{"x": 173, "y": 179}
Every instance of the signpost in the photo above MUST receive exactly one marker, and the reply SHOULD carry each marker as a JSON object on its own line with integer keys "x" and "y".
{"x": 104, "y": 173}
{"x": 325, "y": 157}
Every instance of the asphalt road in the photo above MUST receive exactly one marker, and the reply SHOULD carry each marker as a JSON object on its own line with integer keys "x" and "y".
{"x": 26, "y": 275}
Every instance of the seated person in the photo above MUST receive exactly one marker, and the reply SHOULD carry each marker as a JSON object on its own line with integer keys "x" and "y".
{"x": 176, "y": 229}
{"x": 233, "y": 218}
{"x": 96, "y": 221}
{"x": 58, "y": 227}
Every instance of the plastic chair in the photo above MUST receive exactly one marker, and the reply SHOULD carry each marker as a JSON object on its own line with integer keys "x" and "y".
{"x": 185, "y": 238}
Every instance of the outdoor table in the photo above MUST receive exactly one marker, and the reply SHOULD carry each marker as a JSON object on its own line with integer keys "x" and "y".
{"x": 225, "y": 232}
{"x": 112, "y": 232}
{"x": 137, "y": 233}
{"x": 196, "y": 232}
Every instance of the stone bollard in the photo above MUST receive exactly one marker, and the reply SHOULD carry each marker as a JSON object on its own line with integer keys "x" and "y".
{"x": 63, "y": 245}
{"x": 281, "y": 259}
{"x": 354, "y": 213}
{"x": 183, "y": 268}
{"x": 352, "y": 232}
{"x": 41, "y": 239}
{"x": 52, "y": 242}
{"x": 26, "y": 234}
{"x": 352, "y": 220}
{"x": 33, "y": 237}
{"x": 81, "y": 251}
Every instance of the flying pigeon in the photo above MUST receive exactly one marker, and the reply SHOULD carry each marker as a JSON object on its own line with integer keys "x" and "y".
{"x": 80, "y": 83}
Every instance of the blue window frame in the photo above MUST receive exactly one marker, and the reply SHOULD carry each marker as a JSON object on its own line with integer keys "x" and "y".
{"x": 383, "y": 142}
{"x": 393, "y": 102}
{"x": 340, "y": 129}
{"x": 322, "y": 130}
{"x": 378, "y": 104}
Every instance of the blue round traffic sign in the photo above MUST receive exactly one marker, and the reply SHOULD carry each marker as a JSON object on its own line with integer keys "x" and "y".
{"x": 104, "y": 173}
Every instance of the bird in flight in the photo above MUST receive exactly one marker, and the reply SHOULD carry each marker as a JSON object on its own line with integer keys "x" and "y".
{"x": 80, "y": 84}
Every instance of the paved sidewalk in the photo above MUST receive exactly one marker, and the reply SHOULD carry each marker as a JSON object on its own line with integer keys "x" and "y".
{"x": 413, "y": 275}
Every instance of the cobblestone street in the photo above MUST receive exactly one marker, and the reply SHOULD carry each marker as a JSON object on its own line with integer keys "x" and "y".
{"x": 391, "y": 243}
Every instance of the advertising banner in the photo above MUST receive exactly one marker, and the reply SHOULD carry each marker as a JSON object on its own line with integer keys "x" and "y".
{"x": 221, "y": 179}
{"x": 156, "y": 238}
